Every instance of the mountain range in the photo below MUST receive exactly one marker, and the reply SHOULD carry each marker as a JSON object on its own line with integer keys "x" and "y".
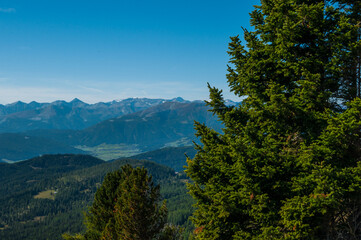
{"x": 131, "y": 126}
{"x": 20, "y": 116}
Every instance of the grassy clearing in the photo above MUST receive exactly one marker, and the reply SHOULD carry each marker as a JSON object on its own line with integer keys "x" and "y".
{"x": 3, "y": 227}
{"x": 48, "y": 194}
{"x": 39, "y": 218}
{"x": 8, "y": 161}
{"x": 111, "y": 151}
{"x": 180, "y": 143}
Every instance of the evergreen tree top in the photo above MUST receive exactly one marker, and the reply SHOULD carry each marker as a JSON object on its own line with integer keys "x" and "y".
{"x": 287, "y": 163}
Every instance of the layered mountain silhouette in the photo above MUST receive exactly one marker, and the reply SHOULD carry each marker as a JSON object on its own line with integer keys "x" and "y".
{"x": 155, "y": 124}
{"x": 153, "y": 127}
{"x": 20, "y": 116}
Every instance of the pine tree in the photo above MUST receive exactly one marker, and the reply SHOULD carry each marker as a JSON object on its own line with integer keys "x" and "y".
{"x": 127, "y": 206}
{"x": 287, "y": 165}
{"x": 136, "y": 210}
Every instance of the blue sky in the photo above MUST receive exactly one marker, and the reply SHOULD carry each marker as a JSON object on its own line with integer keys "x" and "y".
{"x": 110, "y": 50}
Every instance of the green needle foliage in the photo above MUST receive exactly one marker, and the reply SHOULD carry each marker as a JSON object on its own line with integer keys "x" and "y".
{"x": 127, "y": 206}
{"x": 287, "y": 165}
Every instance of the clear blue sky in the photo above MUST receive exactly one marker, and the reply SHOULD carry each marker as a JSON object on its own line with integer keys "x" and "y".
{"x": 106, "y": 50}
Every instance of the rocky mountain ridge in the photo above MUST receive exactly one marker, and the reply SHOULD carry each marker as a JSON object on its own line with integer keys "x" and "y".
{"x": 20, "y": 116}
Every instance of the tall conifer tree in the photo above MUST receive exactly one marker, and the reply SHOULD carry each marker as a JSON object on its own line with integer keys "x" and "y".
{"x": 287, "y": 165}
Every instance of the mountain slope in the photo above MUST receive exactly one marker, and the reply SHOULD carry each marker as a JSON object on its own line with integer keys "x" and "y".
{"x": 14, "y": 146}
{"x": 152, "y": 128}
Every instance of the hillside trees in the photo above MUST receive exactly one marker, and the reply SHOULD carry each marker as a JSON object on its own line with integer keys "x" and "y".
{"x": 127, "y": 206}
{"x": 287, "y": 165}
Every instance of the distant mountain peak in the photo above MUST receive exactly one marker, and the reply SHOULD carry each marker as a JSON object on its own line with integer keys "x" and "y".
{"x": 76, "y": 114}
{"x": 16, "y": 103}
{"x": 178, "y": 99}
{"x": 76, "y": 100}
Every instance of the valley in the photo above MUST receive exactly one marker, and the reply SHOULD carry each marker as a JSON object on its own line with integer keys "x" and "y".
{"x": 111, "y": 151}
{"x": 136, "y": 126}
{"x": 50, "y": 170}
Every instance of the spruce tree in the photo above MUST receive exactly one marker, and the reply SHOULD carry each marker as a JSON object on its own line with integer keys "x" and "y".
{"x": 127, "y": 206}
{"x": 287, "y": 164}
{"x": 137, "y": 213}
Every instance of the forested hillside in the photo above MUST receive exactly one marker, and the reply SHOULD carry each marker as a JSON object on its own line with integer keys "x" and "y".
{"x": 42, "y": 198}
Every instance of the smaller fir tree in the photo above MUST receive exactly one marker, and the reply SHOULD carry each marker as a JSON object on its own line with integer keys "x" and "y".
{"x": 127, "y": 206}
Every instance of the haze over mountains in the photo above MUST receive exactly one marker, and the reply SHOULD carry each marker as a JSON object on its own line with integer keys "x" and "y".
{"x": 20, "y": 116}
{"x": 106, "y": 130}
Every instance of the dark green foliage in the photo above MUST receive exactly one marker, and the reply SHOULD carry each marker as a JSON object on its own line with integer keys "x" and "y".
{"x": 23, "y": 216}
{"x": 170, "y": 232}
{"x": 126, "y": 206}
{"x": 287, "y": 164}
{"x": 138, "y": 211}
{"x": 179, "y": 203}
{"x": 75, "y": 178}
